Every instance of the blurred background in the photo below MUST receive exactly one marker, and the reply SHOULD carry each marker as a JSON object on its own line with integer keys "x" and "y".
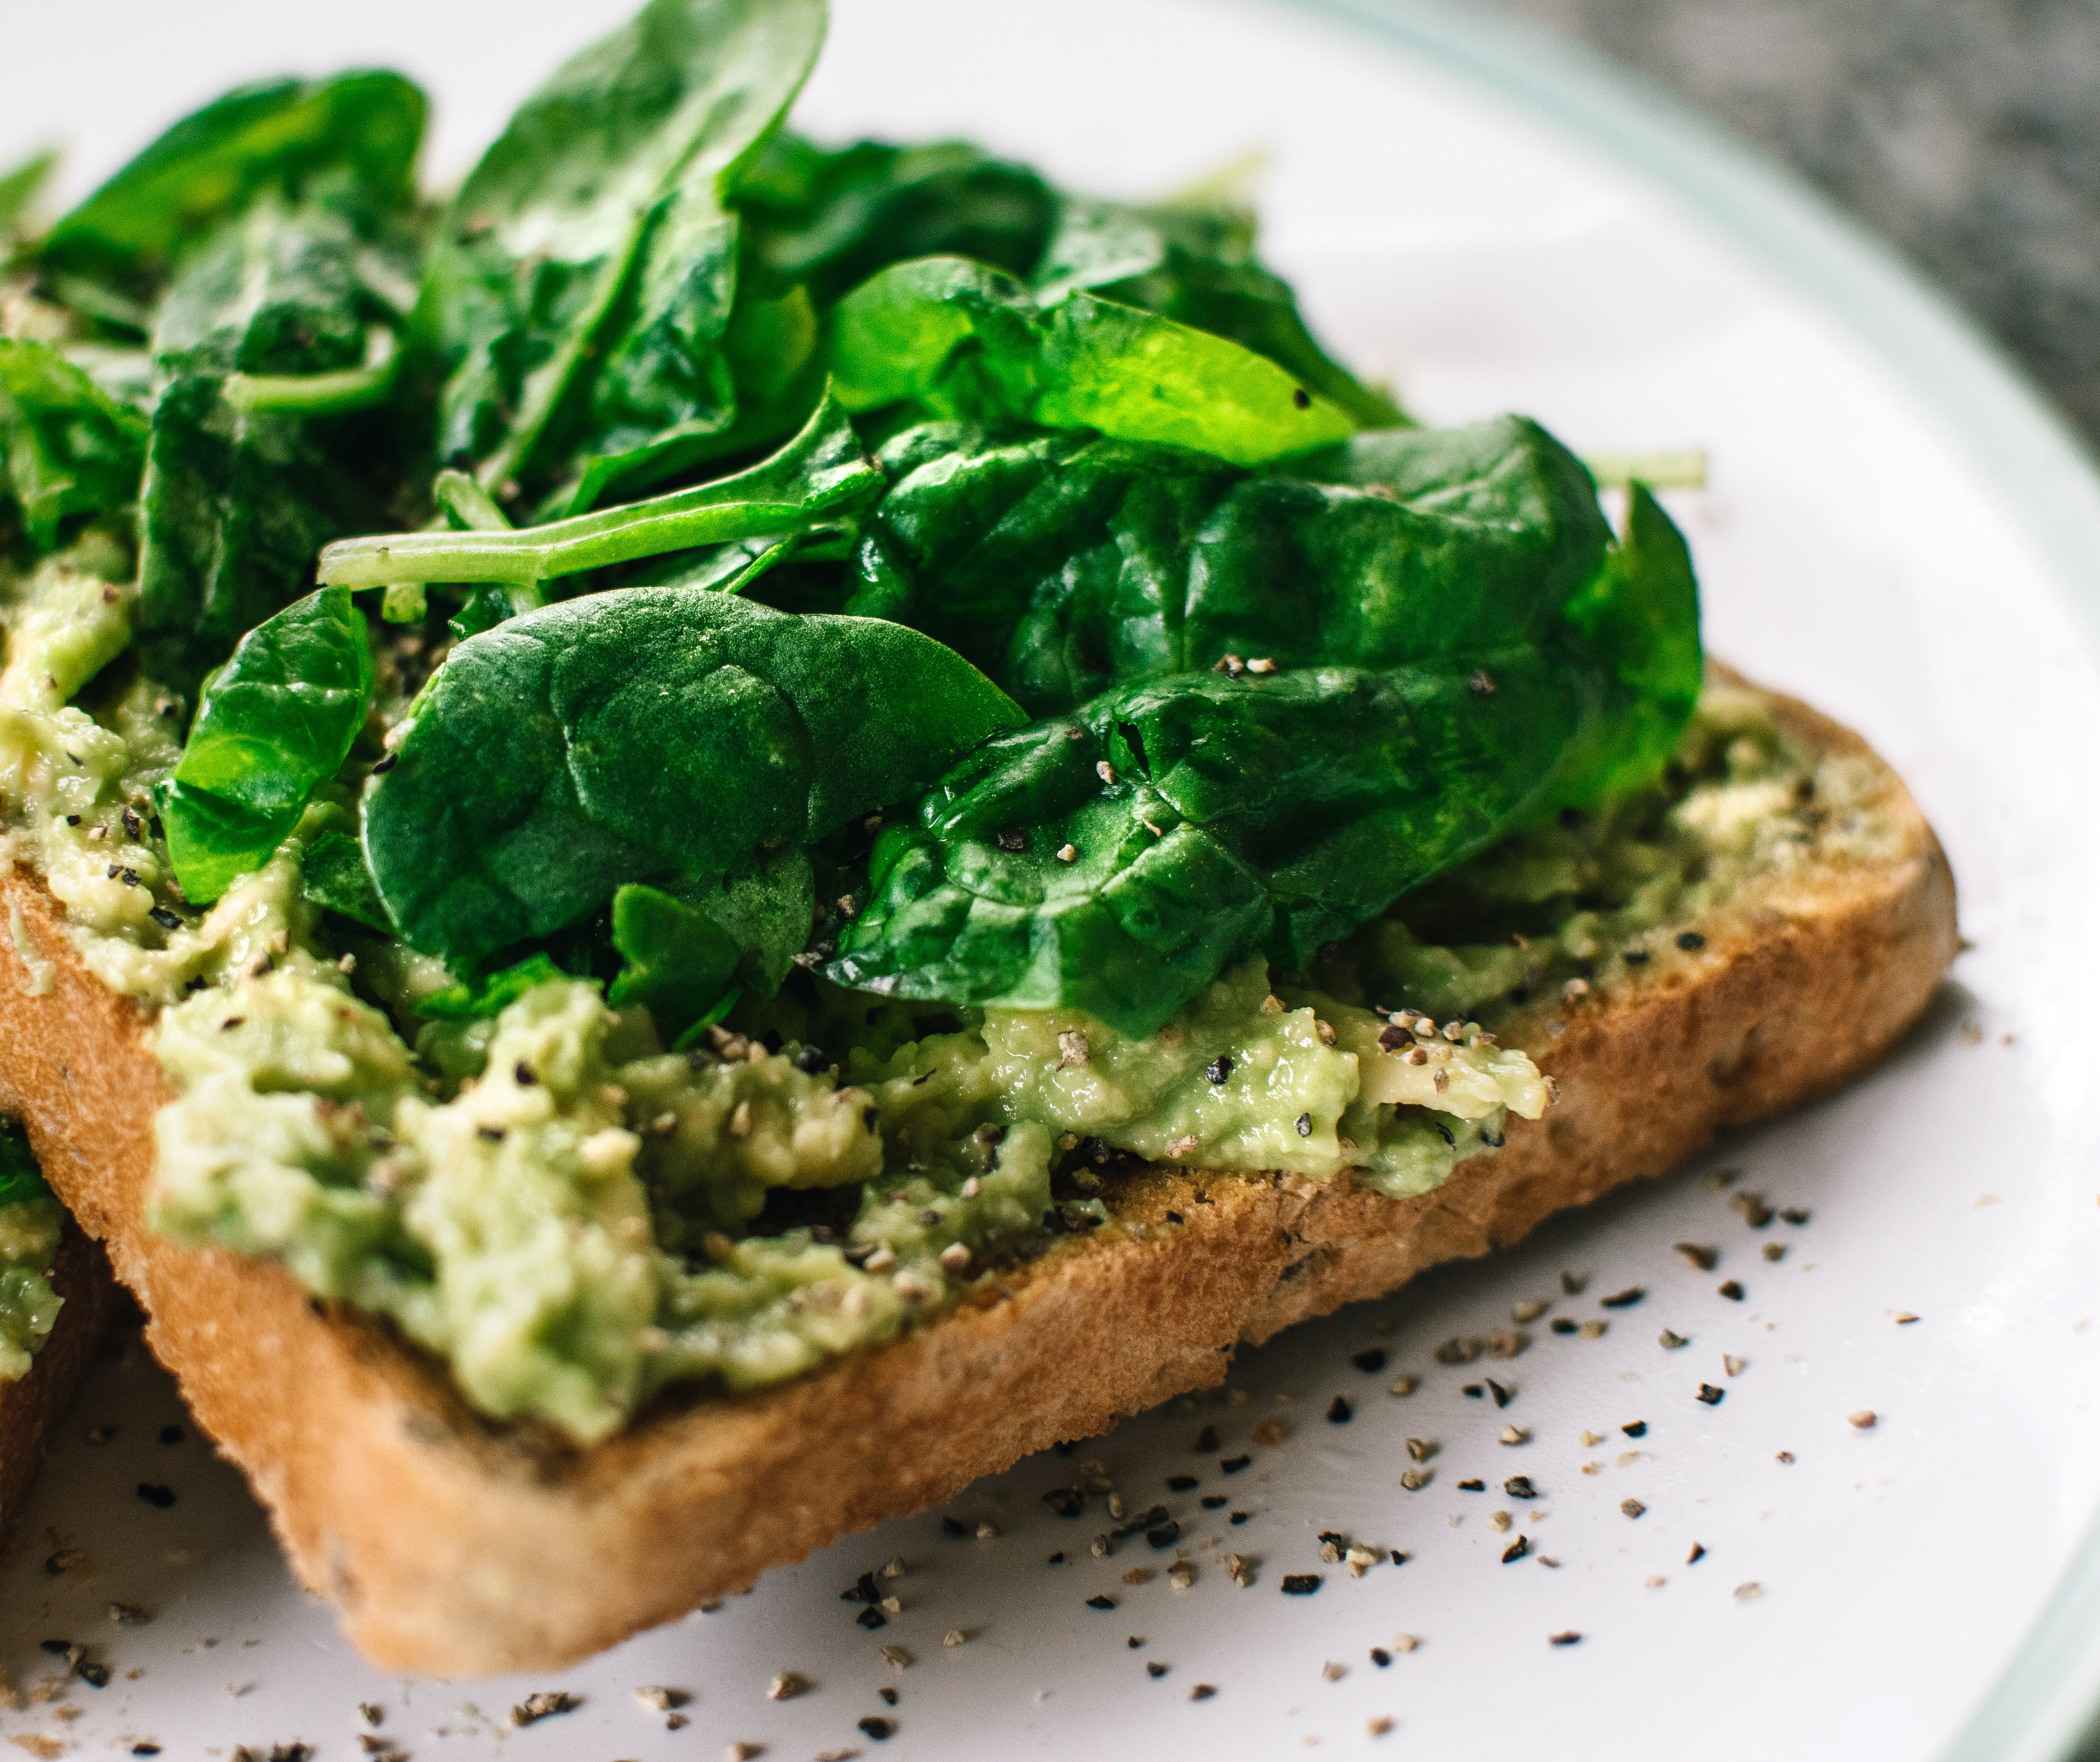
{"x": 1965, "y": 132}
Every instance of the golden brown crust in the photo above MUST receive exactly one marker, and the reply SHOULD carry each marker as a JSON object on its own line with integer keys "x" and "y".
{"x": 457, "y": 1548}
{"x": 31, "y": 1407}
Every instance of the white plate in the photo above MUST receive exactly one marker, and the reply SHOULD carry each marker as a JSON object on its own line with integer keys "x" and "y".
{"x": 1894, "y": 530}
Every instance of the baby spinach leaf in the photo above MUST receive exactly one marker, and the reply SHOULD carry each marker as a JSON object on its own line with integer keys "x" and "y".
{"x": 21, "y": 1179}
{"x": 1242, "y": 815}
{"x": 1195, "y": 263}
{"x": 278, "y": 719}
{"x": 953, "y": 338}
{"x": 680, "y": 961}
{"x": 1063, "y": 565}
{"x": 274, "y": 136}
{"x": 67, "y": 447}
{"x": 239, "y": 495}
{"x": 608, "y": 178}
{"x": 819, "y": 475}
{"x": 491, "y": 995}
{"x": 826, "y": 221}
{"x": 334, "y": 874}
{"x": 644, "y": 733}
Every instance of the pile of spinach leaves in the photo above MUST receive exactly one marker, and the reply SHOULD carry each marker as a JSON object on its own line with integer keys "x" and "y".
{"x": 871, "y": 556}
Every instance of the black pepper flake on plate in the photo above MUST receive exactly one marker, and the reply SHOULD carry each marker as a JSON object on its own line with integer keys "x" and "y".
{"x": 1300, "y": 1583}
{"x": 1099, "y": 1601}
{"x": 1517, "y": 1549}
{"x": 1563, "y": 1324}
{"x": 889, "y": 1697}
{"x": 1340, "y": 1413}
{"x": 1697, "y": 1554}
{"x": 1689, "y": 940}
{"x": 1625, "y": 1299}
{"x": 1635, "y": 1428}
{"x": 159, "y": 1497}
{"x": 1794, "y": 1215}
{"x": 92, "y": 1672}
{"x": 1180, "y": 1483}
{"x": 1502, "y": 1396}
{"x": 1234, "y": 1464}
{"x": 873, "y": 1618}
{"x": 1066, "y": 1501}
{"x": 145, "y": 1749}
{"x": 1241, "y": 1517}
{"x": 1472, "y": 1486}
{"x": 1381, "y": 1657}
{"x": 878, "y": 1728}
{"x": 1202, "y": 1691}
{"x": 1206, "y": 1440}
{"x": 173, "y": 1435}
{"x": 1732, "y": 1290}
{"x": 1370, "y": 1358}
{"x": 1213, "y": 1501}
{"x": 1165, "y": 1536}
{"x": 1519, "y": 1486}
{"x": 1475, "y": 1391}
{"x": 1057, "y": 1559}
{"x": 1155, "y": 1670}
{"x": 1571, "y": 1637}
{"x": 951, "y": 1527}
{"x": 1711, "y": 1395}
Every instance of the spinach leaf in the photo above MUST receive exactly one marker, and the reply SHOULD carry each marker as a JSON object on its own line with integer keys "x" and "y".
{"x": 826, "y": 221}
{"x": 679, "y": 959}
{"x": 1063, "y": 565}
{"x": 1195, "y": 263}
{"x": 67, "y": 446}
{"x": 334, "y": 874}
{"x": 644, "y": 733}
{"x": 278, "y": 719}
{"x": 606, "y": 183}
{"x": 948, "y": 337}
{"x": 816, "y": 477}
{"x": 1507, "y": 660}
{"x": 274, "y": 136}
{"x": 241, "y": 490}
{"x": 21, "y": 1179}
{"x": 490, "y": 995}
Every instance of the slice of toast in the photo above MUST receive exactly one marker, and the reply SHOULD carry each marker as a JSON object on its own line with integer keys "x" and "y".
{"x": 455, "y": 1546}
{"x": 30, "y": 1406}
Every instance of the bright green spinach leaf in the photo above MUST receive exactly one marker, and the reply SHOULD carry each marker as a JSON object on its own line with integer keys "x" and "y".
{"x": 274, "y": 136}
{"x": 67, "y": 447}
{"x": 950, "y": 337}
{"x": 603, "y": 195}
{"x": 277, "y": 719}
{"x": 491, "y": 995}
{"x": 646, "y": 732}
{"x": 680, "y": 961}
{"x": 1195, "y": 263}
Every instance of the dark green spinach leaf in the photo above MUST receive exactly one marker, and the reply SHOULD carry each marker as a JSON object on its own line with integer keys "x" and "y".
{"x": 603, "y": 195}
{"x": 334, "y": 874}
{"x": 21, "y": 1177}
{"x": 948, "y": 337}
{"x": 646, "y": 732}
{"x": 67, "y": 447}
{"x": 277, "y": 719}
{"x": 274, "y": 136}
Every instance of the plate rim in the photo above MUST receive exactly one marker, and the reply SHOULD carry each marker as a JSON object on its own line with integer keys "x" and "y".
{"x": 2044, "y": 1706}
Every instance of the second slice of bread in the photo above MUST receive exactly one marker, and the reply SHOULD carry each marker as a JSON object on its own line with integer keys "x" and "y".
{"x": 457, "y": 1547}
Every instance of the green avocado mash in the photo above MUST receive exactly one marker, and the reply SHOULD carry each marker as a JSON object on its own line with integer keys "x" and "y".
{"x": 30, "y": 1222}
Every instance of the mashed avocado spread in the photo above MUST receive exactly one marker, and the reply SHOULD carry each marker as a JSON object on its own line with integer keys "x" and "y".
{"x": 30, "y": 1222}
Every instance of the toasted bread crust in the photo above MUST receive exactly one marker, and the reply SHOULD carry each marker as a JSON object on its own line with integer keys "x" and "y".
{"x": 28, "y": 1408}
{"x": 457, "y": 1547}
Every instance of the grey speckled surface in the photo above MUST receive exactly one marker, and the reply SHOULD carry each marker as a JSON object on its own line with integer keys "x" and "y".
{"x": 1965, "y": 132}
